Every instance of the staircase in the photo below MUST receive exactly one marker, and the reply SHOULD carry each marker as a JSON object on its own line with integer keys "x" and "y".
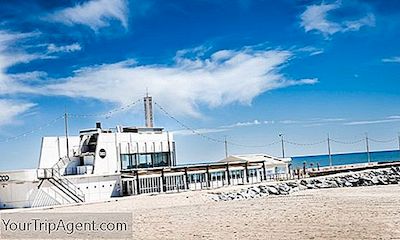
{"x": 54, "y": 176}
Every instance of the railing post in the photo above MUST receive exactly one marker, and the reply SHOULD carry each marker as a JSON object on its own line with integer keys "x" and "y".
{"x": 137, "y": 182}
{"x": 163, "y": 180}
{"x": 247, "y": 171}
{"x": 208, "y": 176}
{"x": 264, "y": 171}
{"x": 186, "y": 178}
{"x": 228, "y": 174}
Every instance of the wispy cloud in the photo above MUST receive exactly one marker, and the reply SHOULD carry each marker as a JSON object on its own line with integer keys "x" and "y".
{"x": 95, "y": 14}
{"x": 10, "y": 55}
{"x": 313, "y": 122}
{"x": 315, "y": 18}
{"x": 52, "y": 48}
{"x": 224, "y": 77}
{"x": 185, "y": 132}
{"x": 378, "y": 121}
{"x": 312, "y": 51}
{"x": 243, "y": 124}
{"x": 10, "y": 109}
{"x": 391, "y": 60}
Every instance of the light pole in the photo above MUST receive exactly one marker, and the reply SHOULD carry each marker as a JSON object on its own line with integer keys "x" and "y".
{"x": 329, "y": 151}
{"x": 226, "y": 147}
{"x": 283, "y": 145}
{"x": 398, "y": 136}
{"x": 367, "y": 143}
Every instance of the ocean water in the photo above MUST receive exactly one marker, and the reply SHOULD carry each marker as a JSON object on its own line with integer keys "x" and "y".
{"x": 347, "y": 158}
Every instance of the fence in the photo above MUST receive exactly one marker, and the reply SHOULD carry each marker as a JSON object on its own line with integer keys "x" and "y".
{"x": 159, "y": 181}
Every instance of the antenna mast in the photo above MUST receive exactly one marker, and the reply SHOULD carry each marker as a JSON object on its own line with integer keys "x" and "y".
{"x": 148, "y": 110}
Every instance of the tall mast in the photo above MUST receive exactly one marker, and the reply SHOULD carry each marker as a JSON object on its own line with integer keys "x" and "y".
{"x": 148, "y": 111}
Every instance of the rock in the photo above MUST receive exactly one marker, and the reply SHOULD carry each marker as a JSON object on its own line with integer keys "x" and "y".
{"x": 375, "y": 180}
{"x": 310, "y": 186}
{"x": 348, "y": 184}
{"x": 382, "y": 181}
{"x": 273, "y": 190}
{"x": 256, "y": 190}
{"x": 304, "y": 182}
{"x": 283, "y": 188}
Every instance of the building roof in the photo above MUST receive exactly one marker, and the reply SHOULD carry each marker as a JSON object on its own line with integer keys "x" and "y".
{"x": 269, "y": 160}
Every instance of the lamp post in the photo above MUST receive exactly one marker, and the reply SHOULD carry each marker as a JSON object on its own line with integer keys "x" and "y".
{"x": 329, "y": 151}
{"x": 367, "y": 145}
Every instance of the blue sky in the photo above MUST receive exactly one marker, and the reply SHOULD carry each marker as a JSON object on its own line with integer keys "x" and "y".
{"x": 244, "y": 69}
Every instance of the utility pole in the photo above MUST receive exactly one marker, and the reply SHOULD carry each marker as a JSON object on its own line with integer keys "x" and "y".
{"x": 283, "y": 145}
{"x": 329, "y": 151}
{"x": 66, "y": 130}
{"x": 398, "y": 136}
{"x": 226, "y": 147}
{"x": 366, "y": 142}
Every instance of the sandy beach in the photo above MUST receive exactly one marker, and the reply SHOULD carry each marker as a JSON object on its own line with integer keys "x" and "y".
{"x": 341, "y": 213}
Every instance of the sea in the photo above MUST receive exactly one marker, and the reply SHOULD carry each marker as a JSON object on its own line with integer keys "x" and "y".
{"x": 346, "y": 158}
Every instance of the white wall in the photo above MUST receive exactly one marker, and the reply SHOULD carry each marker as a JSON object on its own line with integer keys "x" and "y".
{"x": 26, "y": 194}
{"x": 54, "y": 148}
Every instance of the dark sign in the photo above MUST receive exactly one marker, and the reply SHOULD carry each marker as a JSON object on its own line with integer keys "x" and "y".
{"x": 102, "y": 153}
{"x": 4, "y": 178}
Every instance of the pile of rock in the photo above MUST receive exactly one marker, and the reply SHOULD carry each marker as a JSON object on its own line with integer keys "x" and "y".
{"x": 367, "y": 178}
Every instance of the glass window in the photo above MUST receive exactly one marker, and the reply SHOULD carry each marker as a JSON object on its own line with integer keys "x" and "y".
{"x": 125, "y": 161}
{"x": 160, "y": 159}
{"x": 143, "y": 160}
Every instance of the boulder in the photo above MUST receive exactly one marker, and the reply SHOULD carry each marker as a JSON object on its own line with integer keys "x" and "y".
{"x": 273, "y": 190}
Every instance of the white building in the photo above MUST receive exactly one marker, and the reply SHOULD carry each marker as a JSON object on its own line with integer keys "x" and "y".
{"x": 103, "y": 163}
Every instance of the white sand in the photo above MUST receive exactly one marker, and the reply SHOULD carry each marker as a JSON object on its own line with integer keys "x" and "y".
{"x": 342, "y": 213}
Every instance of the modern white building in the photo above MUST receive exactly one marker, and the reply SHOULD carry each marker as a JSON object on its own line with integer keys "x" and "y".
{"x": 102, "y": 163}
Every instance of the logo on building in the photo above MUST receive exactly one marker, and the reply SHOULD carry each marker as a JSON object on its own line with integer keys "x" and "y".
{"x": 102, "y": 153}
{"x": 4, "y": 178}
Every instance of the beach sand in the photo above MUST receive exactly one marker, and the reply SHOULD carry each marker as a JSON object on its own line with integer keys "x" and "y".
{"x": 341, "y": 213}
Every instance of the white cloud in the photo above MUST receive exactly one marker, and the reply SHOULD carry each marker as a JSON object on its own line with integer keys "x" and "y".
{"x": 95, "y": 14}
{"x": 243, "y": 124}
{"x": 391, "y": 60}
{"x": 10, "y": 109}
{"x": 315, "y": 18}
{"x": 312, "y": 51}
{"x": 52, "y": 48}
{"x": 11, "y": 55}
{"x": 227, "y": 76}
{"x": 373, "y": 121}
{"x": 185, "y": 132}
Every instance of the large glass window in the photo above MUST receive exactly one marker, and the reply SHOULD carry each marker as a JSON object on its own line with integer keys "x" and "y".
{"x": 143, "y": 160}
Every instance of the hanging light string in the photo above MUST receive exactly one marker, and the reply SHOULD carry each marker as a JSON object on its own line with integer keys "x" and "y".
{"x": 196, "y": 132}
{"x": 52, "y": 122}
{"x": 347, "y": 142}
{"x": 33, "y": 131}
{"x": 305, "y": 144}
{"x": 383, "y": 141}
{"x": 108, "y": 114}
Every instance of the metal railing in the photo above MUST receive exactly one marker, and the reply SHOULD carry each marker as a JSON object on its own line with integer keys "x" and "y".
{"x": 51, "y": 173}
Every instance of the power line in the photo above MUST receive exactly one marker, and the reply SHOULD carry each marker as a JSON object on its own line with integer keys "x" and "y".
{"x": 383, "y": 141}
{"x": 194, "y": 131}
{"x": 305, "y": 144}
{"x": 107, "y": 114}
{"x": 33, "y": 131}
{"x": 347, "y": 142}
